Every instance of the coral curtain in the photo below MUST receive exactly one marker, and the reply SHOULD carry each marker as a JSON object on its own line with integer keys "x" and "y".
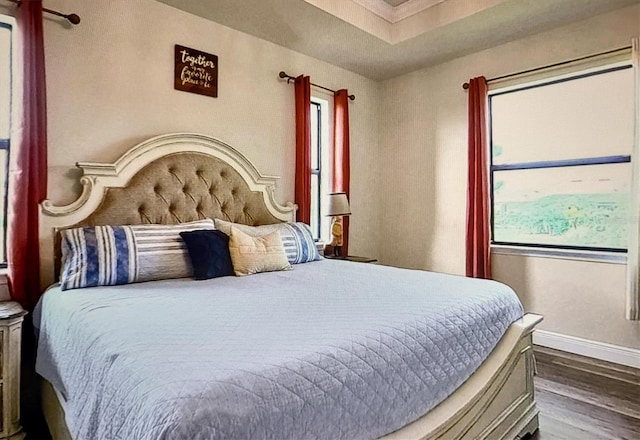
{"x": 28, "y": 170}
{"x": 633, "y": 254}
{"x": 341, "y": 173}
{"x": 303, "y": 148}
{"x": 477, "y": 238}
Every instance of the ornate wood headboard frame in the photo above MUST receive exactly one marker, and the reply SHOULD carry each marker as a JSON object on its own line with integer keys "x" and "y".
{"x": 171, "y": 178}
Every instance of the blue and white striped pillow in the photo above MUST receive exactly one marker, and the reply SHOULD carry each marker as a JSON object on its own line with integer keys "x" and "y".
{"x": 296, "y": 238}
{"x": 111, "y": 255}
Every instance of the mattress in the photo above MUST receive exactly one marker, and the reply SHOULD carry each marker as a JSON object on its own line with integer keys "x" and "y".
{"x": 330, "y": 349}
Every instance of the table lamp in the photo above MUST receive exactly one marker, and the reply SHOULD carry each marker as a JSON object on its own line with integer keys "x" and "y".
{"x": 338, "y": 206}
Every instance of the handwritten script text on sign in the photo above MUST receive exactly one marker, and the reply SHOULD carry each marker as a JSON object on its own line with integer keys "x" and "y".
{"x": 195, "y": 71}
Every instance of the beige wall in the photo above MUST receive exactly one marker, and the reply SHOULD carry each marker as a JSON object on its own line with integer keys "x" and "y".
{"x": 110, "y": 86}
{"x": 423, "y": 182}
{"x": 577, "y": 298}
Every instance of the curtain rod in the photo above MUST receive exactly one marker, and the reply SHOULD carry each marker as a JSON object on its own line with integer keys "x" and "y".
{"x": 283, "y": 75}
{"x": 465, "y": 86}
{"x": 73, "y": 18}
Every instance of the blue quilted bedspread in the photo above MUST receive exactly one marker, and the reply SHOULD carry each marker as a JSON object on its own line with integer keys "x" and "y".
{"x": 328, "y": 350}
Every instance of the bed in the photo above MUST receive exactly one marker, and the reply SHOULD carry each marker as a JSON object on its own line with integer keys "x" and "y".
{"x": 330, "y": 349}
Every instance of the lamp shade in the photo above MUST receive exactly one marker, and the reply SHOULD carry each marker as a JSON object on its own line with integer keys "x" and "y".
{"x": 338, "y": 205}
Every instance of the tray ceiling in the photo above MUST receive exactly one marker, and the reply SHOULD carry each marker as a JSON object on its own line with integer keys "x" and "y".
{"x": 395, "y": 2}
{"x": 379, "y": 39}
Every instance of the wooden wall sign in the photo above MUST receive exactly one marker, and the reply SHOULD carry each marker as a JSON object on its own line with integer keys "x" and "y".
{"x": 195, "y": 71}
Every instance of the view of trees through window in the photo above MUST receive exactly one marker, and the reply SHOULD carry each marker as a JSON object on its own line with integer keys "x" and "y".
{"x": 560, "y": 170}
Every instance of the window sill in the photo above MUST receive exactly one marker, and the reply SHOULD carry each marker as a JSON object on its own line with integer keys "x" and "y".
{"x": 563, "y": 254}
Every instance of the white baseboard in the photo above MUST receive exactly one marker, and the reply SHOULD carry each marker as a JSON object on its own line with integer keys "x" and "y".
{"x": 584, "y": 347}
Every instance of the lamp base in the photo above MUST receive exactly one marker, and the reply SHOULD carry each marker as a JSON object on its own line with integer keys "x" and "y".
{"x": 333, "y": 252}
{"x": 336, "y": 235}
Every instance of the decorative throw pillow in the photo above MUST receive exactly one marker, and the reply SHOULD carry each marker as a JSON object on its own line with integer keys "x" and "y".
{"x": 209, "y": 253}
{"x": 110, "y": 255}
{"x": 256, "y": 254}
{"x": 296, "y": 238}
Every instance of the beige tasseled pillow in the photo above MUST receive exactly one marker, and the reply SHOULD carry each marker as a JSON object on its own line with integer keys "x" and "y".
{"x": 251, "y": 255}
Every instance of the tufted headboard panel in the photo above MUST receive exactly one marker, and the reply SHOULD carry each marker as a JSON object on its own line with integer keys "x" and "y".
{"x": 180, "y": 188}
{"x": 168, "y": 179}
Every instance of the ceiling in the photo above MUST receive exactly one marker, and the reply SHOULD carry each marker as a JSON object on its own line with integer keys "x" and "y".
{"x": 382, "y": 39}
{"x": 395, "y": 2}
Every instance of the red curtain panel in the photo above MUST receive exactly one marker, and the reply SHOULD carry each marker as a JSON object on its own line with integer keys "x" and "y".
{"x": 341, "y": 165}
{"x": 303, "y": 148}
{"x": 477, "y": 242}
{"x": 28, "y": 175}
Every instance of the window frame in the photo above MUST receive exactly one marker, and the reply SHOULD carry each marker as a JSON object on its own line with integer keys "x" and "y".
{"x": 8, "y": 22}
{"x": 323, "y": 131}
{"x": 613, "y": 255}
{"x": 317, "y": 171}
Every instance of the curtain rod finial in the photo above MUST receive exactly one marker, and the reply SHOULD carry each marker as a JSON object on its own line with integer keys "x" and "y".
{"x": 73, "y": 18}
{"x": 465, "y": 86}
{"x": 284, "y": 75}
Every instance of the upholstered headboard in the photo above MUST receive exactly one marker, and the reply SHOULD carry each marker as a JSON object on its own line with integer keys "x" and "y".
{"x": 168, "y": 179}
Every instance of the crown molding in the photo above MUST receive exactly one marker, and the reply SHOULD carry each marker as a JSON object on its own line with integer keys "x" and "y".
{"x": 378, "y": 7}
{"x": 398, "y": 13}
{"x": 413, "y": 7}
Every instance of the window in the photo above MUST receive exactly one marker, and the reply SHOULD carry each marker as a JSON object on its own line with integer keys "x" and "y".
{"x": 319, "y": 166}
{"x": 6, "y": 56}
{"x": 560, "y": 161}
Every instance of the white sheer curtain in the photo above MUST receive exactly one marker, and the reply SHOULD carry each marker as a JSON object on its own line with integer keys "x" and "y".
{"x": 633, "y": 255}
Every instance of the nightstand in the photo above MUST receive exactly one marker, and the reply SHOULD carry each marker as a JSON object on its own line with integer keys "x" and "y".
{"x": 352, "y": 258}
{"x": 11, "y": 316}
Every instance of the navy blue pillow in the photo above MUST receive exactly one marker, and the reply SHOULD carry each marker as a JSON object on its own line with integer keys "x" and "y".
{"x": 209, "y": 253}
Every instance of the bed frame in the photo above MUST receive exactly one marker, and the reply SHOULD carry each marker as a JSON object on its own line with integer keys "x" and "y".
{"x": 183, "y": 177}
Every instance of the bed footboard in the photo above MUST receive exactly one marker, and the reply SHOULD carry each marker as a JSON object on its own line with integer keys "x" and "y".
{"x": 496, "y": 402}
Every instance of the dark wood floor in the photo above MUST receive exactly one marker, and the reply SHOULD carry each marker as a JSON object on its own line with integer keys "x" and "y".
{"x": 579, "y": 399}
{"x": 585, "y": 399}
